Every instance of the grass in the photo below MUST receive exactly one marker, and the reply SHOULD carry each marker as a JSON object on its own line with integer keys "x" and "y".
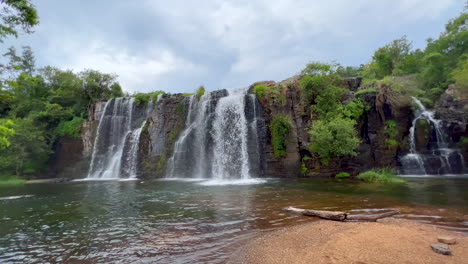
{"x": 384, "y": 175}
{"x": 342, "y": 175}
{"x": 11, "y": 181}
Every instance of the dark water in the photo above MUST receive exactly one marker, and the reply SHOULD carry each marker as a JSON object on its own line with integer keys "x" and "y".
{"x": 185, "y": 222}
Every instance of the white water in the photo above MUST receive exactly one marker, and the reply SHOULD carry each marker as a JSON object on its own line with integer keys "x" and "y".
{"x": 214, "y": 144}
{"x": 115, "y": 150}
{"x": 418, "y": 163}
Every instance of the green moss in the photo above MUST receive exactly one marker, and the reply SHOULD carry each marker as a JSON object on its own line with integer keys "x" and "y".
{"x": 145, "y": 128}
{"x": 342, "y": 175}
{"x": 187, "y": 94}
{"x": 366, "y": 91}
{"x": 279, "y": 128}
{"x": 200, "y": 92}
{"x": 304, "y": 168}
{"x": 173, "y": 135}
{"x": 181, "y": 108}
{"x": 161, "y": 162}
{"x": 384, "y": 175}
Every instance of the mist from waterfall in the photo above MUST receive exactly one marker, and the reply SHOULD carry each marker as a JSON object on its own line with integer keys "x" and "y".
{"x": 437, "y": 158}
{"x": 217, "y": 142}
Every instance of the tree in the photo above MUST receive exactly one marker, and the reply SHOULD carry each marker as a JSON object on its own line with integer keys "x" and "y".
{"x": 6, "y": 132}
{"x": 28, "y": 151}
{"x": 337, "y": 137}
{"x": 99, "y": 85}
{"x": 16, "y": 15}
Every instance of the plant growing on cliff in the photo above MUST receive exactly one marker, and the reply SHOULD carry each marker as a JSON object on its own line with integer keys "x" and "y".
{"x": 270, "y": 93}
{"x": 384, "y": 175}
{"x": 337, "y": 137}
{"x": 342, "y": 175}
{"x": 200, "y": 92}
{"x": 71, "y": 128}
{"x": 144, "y": 98}
{"x": 279, "y": 128}
{"x": 316, "y": 78}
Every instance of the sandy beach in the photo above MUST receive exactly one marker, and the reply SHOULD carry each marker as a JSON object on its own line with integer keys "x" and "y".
{"x": 386, "y": 241}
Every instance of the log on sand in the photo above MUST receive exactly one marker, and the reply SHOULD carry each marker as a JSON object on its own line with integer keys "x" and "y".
{"x": 340, "y": 216}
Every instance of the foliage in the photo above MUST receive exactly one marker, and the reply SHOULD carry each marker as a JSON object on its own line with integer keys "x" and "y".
{"x": 460, "y": 74}
{"x": 17, "y": 14}
{"x": 11, "y": 181}
{"x": 304, "y": 169}
{"x": 71, "y": 128}
{"x": 332, "y": 138}
{"x": 279, "y": 129}
{"x": 200, "y": 92}
{"x": 349, "y": 71}
{"x": 28, "y": 151}
{"x": 342, "y": 175}
{"x": 354, "y": 109}
{"x": 144, "y": 98}
{"x": 317, "y": 77}
{"x": 328, "y": 102}
{"x": 99, "y": 85}
{"x": 384, "y": 175}
{"x": 259, "y": 90}
{"x": 6, "y": 132}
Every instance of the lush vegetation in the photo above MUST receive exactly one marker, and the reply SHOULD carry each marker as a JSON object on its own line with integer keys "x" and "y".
{"x": 279, "y": 129}
{"x": 200, "y": 92}
{"x": 342, "y": 175}
{"x": 384, "y": 175}
{"x": 39, "y": 105}
{"x": 144, "y": 98}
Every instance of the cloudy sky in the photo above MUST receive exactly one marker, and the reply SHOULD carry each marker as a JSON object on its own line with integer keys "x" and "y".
{"x": 178, "y": 45}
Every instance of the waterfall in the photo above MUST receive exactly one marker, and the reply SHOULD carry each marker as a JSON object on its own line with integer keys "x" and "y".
{"x": 215, "y": 141}
{"x": 437, "y": 158}
{"x": 116, "y": 145}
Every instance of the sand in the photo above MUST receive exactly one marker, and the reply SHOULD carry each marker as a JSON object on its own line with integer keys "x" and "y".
{"x": 387, "y": 241}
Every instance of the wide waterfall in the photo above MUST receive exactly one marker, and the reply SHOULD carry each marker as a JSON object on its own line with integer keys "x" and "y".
{"x": 220, "y": 139}
{"x": 116, "y": 144}
{"x": 435, "y": 157}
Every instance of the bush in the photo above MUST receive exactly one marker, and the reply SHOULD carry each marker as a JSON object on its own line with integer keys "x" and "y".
{"x": 330, "y": 139}
{"x": 384, "y": 175}
{"x": 279, "y": 128}
{"x": 259, "y": 90}
{"x": 70, "y": 128}
{"x": 144, "y": 98}
{"x": 342, "y": 175}
{"x": 200, "y": 92}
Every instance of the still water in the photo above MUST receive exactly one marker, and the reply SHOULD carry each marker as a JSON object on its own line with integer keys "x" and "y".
{"x": 192, "y": 222}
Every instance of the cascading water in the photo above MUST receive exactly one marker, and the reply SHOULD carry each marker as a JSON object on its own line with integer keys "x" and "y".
{"x": 215, "y": 142}
{"x": 436, "y": 158}
{"x": 116, "y": 144}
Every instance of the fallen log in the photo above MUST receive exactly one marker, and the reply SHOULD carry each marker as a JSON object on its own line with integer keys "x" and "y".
{"x": 340, "y": 216}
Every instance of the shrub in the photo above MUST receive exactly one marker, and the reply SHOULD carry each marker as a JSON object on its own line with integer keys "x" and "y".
{"x": 384, "y": 175}
{"x": 354, "y": 109}
{"x": 200, "y": 92}
{"x": 342, "y": 175}
{"x": 337, "y": 137}
{"x": 279, "y": 128}
{"x": 259, "y": 90}
{"x": 71, "y": 128}
{"x": 144, "y": 98}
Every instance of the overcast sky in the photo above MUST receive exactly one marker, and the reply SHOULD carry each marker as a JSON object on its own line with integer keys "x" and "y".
{"x": 178, "y": 45}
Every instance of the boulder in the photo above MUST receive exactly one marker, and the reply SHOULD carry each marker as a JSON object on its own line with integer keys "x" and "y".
{"x": 441, "y": 249}
{"x": 447, "y": 240}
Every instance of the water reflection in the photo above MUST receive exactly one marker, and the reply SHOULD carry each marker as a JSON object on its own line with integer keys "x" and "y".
{"x": 186, "y": 222}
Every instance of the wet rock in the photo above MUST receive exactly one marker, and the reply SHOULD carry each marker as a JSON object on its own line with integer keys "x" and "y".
{"x": 447, "y": 240}
{"x": 441, "y": 249}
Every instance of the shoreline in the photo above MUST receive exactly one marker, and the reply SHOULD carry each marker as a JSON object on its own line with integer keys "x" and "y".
{"x": 386, "y": 241}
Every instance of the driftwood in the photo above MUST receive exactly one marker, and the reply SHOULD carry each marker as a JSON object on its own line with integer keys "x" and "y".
{"x": 340, "y": 216}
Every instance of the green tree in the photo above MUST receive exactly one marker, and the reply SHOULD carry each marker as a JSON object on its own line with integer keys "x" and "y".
{"x": 337, "y": 137}
{"x": 6, "y": 132}
{"x": 28, "y": 151}
{"x": 16, "y": 15}
{"x": 99, "y": 85}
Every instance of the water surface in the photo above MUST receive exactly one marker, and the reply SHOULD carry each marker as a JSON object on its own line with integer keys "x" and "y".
{"x": 188, "y": 222}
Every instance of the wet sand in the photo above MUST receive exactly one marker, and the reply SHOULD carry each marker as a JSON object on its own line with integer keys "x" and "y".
{"x": 387, "y": 241}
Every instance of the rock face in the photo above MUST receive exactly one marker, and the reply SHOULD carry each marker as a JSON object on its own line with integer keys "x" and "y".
{"x": 165, "y": 120}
